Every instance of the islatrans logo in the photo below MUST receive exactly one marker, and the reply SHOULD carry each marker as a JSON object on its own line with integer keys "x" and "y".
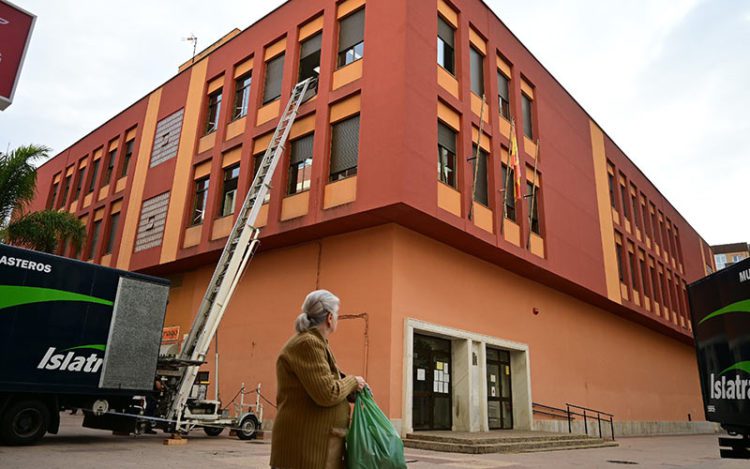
{"x": 69, "y": 359}
{"x": 731, "y": 388}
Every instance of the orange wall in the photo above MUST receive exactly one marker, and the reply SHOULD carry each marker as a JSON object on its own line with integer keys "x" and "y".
{"x": 578, "y": 353}
{"x": 260, "y": 318}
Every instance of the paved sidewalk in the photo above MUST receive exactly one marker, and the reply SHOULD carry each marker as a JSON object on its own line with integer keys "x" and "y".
{"x": 81, "y": 448}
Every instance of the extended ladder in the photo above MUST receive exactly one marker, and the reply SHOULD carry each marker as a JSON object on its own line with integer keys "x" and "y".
{"x": 241, "y": 245}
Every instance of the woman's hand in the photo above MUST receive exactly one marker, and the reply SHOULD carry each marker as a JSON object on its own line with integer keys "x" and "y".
{"x": 361, "y": 383}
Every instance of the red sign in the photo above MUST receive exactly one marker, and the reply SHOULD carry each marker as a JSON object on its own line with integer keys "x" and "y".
{"x": 15, "y": 31}
{"x": 170, "y": 335}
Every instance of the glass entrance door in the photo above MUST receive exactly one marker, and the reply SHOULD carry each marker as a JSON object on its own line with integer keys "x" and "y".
{"x": 499, "y": 396}
{"x": 431, "y": 375}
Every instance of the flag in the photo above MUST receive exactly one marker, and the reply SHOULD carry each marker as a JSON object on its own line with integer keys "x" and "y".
{"x": 514, "y": 161}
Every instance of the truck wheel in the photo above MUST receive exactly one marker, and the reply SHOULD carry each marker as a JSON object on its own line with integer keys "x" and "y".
{"x": 248, "y": 428}
{"x": 24, "y": 423}
{"x": 213, "y": 431}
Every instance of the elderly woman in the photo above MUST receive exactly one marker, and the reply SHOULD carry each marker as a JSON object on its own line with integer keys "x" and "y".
{"x": 313, "y": 412}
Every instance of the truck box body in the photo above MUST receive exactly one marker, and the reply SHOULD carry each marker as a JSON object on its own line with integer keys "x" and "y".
{"x": 71, "y": 327}
{"x": 720, "y": 304}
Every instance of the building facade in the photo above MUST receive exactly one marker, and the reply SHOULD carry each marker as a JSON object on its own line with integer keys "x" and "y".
{"x": 462, "y": 304}
{"x": 729, "y": 254}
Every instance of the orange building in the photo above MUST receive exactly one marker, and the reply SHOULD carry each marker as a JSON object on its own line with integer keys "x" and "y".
{"x": 462, "y": 307}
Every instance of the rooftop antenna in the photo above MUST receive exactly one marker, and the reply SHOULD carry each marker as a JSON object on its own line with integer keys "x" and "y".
{"x": 194, "y": 40}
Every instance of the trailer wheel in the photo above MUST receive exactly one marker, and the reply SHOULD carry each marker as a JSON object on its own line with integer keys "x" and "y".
{"x": 24, "y": 423}
{"x": 248, "y": 428}
{"x": 213, "y": 431}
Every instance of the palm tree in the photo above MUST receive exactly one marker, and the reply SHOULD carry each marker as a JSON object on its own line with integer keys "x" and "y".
{"x": 43, "y": 231}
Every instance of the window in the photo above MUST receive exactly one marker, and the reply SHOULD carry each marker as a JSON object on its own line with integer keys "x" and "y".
{"x": 654, "y": 225}
{"x": 620, "y": 270}
{"x": 300, "y": 165}
{"x": 94, "y": 175}
{"x": 111, "y": 158}
{"x": 532, "y": 192}
{"x": 611, "y": 180}
{"x": 636, "y": 215}
{"x": 509, "y": 177}
{"x": 480, "y": 171}
{"x": 664, "y": 291}
{"x": 445, "y": 48}
{"x": 214, "y": 109}
{"x": 66, "y": 190}
{"x": 229, "y": 191}
{"x": 94, "y": 239}
{"x": 274, "y": 74}
{"x": 644, "y": 213}
{"x": 644, "y": 278}
{"x": 503, "y": 91}
{"x": 737, "y": 258}
{"x": 352, "y": 38}
{"x": 53, "y": 195}
{"x": 201, "y": 199}
{"x": 114, "y": 219}
{"x": 528, "y": 126}
{"x": 128, "y": 154}
{"x": 309, "y": 60}
{"x": 654, "y": 282}
{"x": 633, "y": 271}
{"x": 79, "y": 183}
{"x": 720, "y": 260}
{"x": 447, "y": 155}
{"x": 241, "y": 95}
{"x": 345, "y": 148}
{"x": 477, "y": 71}
{"x": 624, "y": 199}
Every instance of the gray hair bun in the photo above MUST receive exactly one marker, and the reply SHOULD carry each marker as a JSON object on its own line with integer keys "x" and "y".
{"x": 315, "y": 309}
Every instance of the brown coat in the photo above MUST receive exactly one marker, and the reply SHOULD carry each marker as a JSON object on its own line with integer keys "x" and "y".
{"x": 311, "y": 403}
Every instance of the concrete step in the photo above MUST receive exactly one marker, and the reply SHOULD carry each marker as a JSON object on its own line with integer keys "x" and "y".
{"x": 479, "y": 438}
{"x": 529, "y": 445}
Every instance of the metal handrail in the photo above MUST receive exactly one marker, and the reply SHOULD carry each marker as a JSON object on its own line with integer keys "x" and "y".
{"x": 599, "y": 415}
{"x": 572, "y": 411}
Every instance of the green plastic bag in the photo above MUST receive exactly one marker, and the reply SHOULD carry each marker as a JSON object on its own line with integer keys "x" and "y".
{"x": 372, "y": 442}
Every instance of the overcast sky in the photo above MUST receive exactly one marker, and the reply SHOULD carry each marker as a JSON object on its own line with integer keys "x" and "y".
{"x": 666, "y": 79}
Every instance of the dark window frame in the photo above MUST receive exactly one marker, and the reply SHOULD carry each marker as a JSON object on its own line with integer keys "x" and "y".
{"x": 114, "y": 220}
{"x": 509, "y": 195}
{"x": 94, "y": 176}
{"x": 309, "y": 60}
{"x": 66, "y": 190}
{"x": 80, "y": 178}
{"x": 230, "y": 184}
{"x": 111, "y": 160}
{"x": 527, "y": 109}
{"x": 503, "y": 81}
{"x": 446, "y": 49}
{"x": 350, "y": 51}
{"x": 476, "y": 77}
{"x": 483, "y": 159}
{"x": 129, "y": 148}
{"x": 242, "y": 88}
{"x": 533, "y": 202}
{"x": 447, "y": 157}
{"x": 95, "y": 232}
{"x": 200, "y": 200}
{"x": 343, "y": 173}
{"x": 299, "y": 165}
{"x": 213, "y": 111}
{"x": 272, "y": 89}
